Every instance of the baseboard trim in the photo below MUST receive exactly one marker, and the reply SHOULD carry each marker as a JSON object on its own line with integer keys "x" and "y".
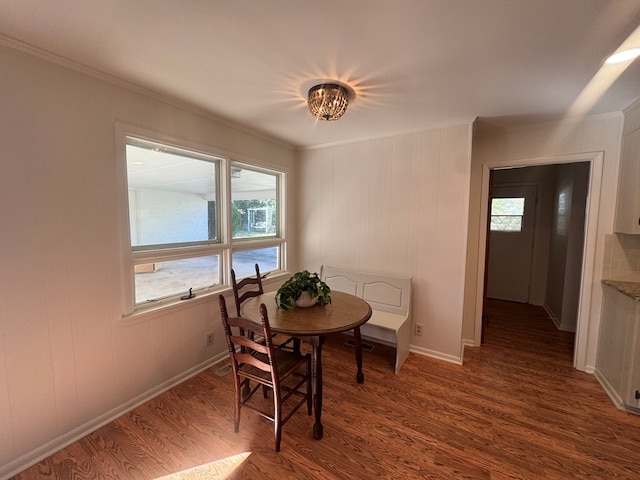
{"x": 31, "y": 458}
{"x": 609, "y": 390}
{"x": 551, "y": 315}
{"x": 433, "y": 354}
{"x": 613, "y": 395}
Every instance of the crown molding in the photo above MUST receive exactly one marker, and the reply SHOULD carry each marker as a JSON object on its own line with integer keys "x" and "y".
{"x": 150, "y": 93}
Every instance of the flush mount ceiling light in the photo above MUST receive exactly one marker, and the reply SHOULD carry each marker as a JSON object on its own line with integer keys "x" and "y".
{"x": 328, "y": 101}
{"x": 624, "y": 56}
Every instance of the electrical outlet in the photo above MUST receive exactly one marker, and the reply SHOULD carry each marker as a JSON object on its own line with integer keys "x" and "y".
{"x": 209, "y": 339}
{"x": 419, "y": 328}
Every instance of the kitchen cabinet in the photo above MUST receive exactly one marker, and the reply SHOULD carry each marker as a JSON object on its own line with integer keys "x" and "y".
{"x": 628, "y": 204}
{"x": 618, "y": 360}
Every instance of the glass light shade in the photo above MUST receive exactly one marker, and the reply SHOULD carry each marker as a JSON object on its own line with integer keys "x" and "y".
{"x": 624, "y": 56}
{"x": 328, "y": 101}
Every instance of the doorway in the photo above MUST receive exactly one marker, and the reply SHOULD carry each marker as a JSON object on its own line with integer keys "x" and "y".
{"x": 592, "y": 201}
{"x": 545, "y": 223}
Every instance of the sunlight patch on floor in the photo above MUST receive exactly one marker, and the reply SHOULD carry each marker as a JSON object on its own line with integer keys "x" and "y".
{"x": 217, "y": 469}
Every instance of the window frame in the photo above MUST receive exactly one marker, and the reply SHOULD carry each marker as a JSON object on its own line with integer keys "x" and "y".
{"x": 280, "y": 180}
{"x": 224, "y": 246}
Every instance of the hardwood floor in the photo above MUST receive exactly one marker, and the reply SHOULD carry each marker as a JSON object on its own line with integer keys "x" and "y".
{"x": 516, "y": 410}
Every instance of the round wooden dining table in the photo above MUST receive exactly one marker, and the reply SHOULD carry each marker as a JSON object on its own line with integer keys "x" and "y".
{"x": 314, "y": 324}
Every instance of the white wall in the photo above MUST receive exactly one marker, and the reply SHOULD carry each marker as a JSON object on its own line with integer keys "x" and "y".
{"x": 151, "y": 211}
{"x": 569, "y": 140}
{"x": 558, "y": 246}
{"x": 567, "y": 239}
{"x": 67, "y": 360}
{"x": 395, "y": 205}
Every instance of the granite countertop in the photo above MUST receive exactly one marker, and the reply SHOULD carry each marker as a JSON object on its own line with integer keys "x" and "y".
{"x": 631, "y": 289}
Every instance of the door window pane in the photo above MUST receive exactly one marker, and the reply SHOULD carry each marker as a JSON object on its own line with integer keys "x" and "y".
{"x": 506, "y": 214}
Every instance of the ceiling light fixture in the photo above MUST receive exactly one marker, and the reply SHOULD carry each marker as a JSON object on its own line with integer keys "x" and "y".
{"x": 328, "y": 101}
{"x": 624, "y": 56}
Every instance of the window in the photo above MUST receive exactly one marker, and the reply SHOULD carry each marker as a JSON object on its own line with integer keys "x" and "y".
{"x": 254, "y": 203}
{"x": 255, "y": 216}
{"x": 562, "y": 217}
{"x": 244, "y": 261}
{"x": 506, "y": 214}
{"x": 181, "y": 225}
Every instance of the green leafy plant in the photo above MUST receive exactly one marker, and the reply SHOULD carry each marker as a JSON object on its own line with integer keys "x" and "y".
{"x": 236, "y": 219}
{"x": 304, "y": 281}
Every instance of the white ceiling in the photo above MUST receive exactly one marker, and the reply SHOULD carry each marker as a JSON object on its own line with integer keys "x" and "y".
{"x": 411, "y": 63}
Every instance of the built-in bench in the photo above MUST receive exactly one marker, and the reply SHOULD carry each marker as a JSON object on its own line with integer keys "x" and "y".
{"x": 390, "y": 300}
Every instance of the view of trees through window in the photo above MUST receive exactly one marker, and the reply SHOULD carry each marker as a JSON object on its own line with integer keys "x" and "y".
{"x": 253, "y": 217}
{"x": 253, "y": 202}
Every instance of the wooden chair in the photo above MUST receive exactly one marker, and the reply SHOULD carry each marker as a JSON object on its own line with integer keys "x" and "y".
{"x": 286, "y": 373}
{"x": 246, "y": 288}
{"x": 250, "y": 287}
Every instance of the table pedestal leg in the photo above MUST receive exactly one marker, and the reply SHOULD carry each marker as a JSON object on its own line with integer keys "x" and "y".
{"x": 316, "y": 385}
{"x": 357, "y": 343}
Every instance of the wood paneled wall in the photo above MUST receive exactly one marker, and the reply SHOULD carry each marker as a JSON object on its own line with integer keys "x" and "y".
{"x": 67, "y": 360}
{"x": 396, "y": 205}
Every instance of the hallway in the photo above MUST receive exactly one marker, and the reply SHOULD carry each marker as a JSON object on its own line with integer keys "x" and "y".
{"x": 527, "y": 328}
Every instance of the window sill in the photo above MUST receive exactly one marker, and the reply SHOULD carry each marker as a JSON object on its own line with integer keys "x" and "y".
{"x": 152, "y": 310}
{"x": 147, "y": 312}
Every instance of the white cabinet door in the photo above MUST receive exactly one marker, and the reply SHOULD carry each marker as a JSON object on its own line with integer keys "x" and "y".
{"x": 618, "y": 361}
{"x": 633, "y": 387}
{"x": 628, "y": 206}
{"x": 612, "y": 341}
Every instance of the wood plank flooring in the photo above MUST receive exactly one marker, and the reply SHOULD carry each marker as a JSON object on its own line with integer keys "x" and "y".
{"x": 516, "y": 410}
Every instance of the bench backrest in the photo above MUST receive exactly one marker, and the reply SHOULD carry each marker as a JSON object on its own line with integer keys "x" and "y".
{"x": 383, "y": 292}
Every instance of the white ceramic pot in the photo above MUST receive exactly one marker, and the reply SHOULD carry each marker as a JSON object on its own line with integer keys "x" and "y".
{"x": 304, "y": 300}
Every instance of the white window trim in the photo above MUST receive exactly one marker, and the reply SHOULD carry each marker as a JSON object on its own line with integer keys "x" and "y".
{"x": 227, "y": 245}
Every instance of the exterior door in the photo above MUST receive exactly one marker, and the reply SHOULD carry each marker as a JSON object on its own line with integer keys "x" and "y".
{"x": 511, "y": 224}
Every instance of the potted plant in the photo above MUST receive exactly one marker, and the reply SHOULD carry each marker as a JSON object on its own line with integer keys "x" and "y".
{"x": 303, "y": 289}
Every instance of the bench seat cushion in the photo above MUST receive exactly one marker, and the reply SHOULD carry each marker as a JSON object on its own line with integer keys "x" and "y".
{"x": 383, "y": 326}
{"x": 392, "y": 321}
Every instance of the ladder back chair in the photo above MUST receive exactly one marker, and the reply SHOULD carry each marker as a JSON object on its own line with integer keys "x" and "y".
{"x": 286, "y": 373}
{"x": 246, "y": 288}
{"x": 250, "y": 287}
